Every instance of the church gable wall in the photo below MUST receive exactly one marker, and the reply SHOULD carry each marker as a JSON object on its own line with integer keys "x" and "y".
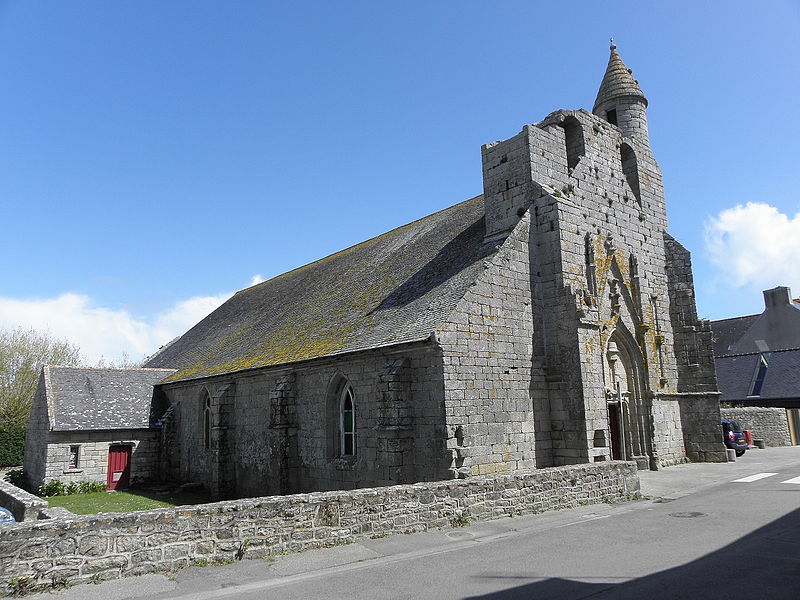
{"x": 37, "y": 435}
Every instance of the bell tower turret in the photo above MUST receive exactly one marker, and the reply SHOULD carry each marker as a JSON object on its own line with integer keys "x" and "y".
{"x": 620, "y": 100}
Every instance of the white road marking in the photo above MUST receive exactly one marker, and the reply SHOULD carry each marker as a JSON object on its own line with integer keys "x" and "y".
{"x": 755, "y": 477}
{"x": 792, "y": 480}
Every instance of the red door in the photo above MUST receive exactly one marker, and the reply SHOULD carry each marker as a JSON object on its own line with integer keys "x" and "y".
{"x": 119, "y": 467}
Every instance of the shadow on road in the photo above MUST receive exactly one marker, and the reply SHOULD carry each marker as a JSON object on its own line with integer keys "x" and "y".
{"x": 763, "y": 564}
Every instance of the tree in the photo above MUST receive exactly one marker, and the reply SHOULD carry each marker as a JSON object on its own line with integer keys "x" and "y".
{"x": 23, "y": 353}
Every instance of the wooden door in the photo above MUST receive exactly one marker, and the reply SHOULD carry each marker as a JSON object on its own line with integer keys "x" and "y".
{"x": 119, "y": 467}
{"x": 614, "y": 424}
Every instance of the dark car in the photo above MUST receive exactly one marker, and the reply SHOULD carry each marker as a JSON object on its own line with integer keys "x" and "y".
{"x": 733, "y": 436}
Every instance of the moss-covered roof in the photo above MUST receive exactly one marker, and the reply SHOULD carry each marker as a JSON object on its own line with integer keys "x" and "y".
{"x": 392, "y": 289}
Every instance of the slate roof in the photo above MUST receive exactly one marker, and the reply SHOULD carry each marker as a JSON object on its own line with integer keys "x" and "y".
{"x": 81, "y": 398}
{"x": 735, "y": 374}
{"x": 726, "y": 332}
{"x": 617, "y": 81}
{"x": 395, "y": 288}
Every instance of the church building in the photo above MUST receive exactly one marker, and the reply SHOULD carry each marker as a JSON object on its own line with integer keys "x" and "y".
{"x": 549, "y": 321}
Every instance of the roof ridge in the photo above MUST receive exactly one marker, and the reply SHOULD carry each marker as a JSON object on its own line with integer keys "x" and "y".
{"x": 794, "y": 349}
{"x": 108, "y": 368}
{"x": 733, "y": 318}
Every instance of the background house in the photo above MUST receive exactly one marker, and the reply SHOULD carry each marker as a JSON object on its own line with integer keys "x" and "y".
{"x": 757, "y": 360}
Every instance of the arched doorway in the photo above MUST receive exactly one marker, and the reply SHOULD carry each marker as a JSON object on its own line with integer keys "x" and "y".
{"x": 628, "y": 417}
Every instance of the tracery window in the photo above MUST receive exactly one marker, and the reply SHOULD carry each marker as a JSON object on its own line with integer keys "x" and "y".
{"x": 207, "y": 422}
{"x": 347, "y": 422}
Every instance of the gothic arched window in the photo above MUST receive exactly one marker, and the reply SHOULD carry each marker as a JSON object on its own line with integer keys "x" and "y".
{"x": 347, "y": 421}
{"x": 207, "y": 422}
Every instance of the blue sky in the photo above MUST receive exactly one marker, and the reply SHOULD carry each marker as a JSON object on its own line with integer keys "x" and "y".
{"x": 157, "y": 156}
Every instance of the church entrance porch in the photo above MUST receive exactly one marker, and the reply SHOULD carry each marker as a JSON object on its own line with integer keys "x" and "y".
{"x": 629, "y": 420}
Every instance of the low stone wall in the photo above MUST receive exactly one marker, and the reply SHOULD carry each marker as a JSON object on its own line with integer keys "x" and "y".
{"x": 24, "y": 506}
{"x": 768, "y": 424}
{"x": 108, "y": 546}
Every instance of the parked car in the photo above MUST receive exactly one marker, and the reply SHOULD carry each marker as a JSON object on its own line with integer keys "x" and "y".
{"x": 733, "y": 436}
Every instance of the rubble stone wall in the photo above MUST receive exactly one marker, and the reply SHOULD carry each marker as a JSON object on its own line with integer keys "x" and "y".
{"x": 109, "y": 546}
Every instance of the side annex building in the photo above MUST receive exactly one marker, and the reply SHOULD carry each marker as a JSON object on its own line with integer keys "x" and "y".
{"x": 549, "y": 321}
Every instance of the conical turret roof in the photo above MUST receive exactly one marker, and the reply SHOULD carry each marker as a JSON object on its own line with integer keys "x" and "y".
{"x": 618, "y": 81}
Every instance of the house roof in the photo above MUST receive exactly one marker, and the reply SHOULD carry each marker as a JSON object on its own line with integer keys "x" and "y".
{"x": 727, "y": 332}
{"x": 736, "y": 373}
{"x": 395, "y": 288}
{"x": 81, "y": 398}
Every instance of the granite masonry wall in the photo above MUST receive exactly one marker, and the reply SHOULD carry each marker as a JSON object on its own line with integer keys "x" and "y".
{"x": 109, "y": 546}
{"x": 275, "y": 431}
{"x": 702, "y": 432}
{"x": 93, "y": 454}
{"x": 768, "y": 424}
{"x": 492, "y": 388}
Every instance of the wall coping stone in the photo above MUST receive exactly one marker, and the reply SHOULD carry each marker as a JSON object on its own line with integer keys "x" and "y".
{"x": 24, "y": 505}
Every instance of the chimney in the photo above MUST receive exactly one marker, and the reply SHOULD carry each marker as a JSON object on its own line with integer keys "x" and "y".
{"x": 778, "y": 296}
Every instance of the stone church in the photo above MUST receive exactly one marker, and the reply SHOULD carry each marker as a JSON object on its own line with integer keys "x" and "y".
{"x": 549, "y": 321}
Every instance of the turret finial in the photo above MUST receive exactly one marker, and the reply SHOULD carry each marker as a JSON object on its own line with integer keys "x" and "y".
{"x": 613, "y": 46}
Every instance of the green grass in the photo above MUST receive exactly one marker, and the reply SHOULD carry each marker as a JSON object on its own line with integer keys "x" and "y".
{"x": 129, "y": 501}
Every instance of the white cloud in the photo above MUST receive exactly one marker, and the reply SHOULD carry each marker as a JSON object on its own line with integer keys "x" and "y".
{"x": 755, "y": 245}
{"x": 256, "y": 279}
{"x": 103, "y": 332}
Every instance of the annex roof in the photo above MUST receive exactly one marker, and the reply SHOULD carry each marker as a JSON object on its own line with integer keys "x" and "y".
{"x": 81, "y": 398}
{"x": 394, "y": 288}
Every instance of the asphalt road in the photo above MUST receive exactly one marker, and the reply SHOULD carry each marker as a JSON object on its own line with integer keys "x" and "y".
{"x": 700, "y": 535}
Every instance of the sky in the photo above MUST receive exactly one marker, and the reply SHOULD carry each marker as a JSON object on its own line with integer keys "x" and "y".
{"x": 155, "y": 157}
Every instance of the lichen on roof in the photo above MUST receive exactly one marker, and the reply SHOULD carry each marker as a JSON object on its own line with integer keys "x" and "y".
{"x": 391, "y": 289}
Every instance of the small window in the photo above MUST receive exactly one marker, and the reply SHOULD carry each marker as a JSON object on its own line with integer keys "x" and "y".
{"x": 348, "y": 422}
{"x": 611, "y": 116}
{"x": 207, "y": 423}
{"x": 74, "y": 457}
